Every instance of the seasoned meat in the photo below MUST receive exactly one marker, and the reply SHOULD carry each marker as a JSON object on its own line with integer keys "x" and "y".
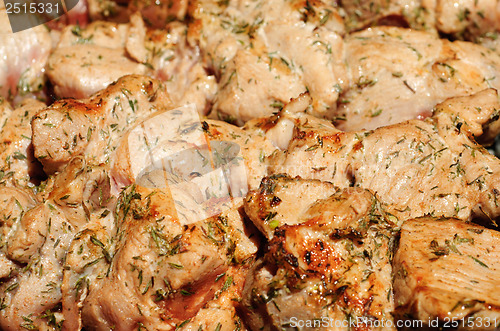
{"x": 23, "y": 56}
{"x": 18, "y": 165}
{"x": 447, "y": 268}
{"x": 414, "y": 14}
{"x": 164, "y": 269}
{"x": 94, "y": 126}
{"x": 334, "y": 264}
{"x": 281, "y": 200}
{"x": 14, "y": 202}
{"x": 179, "y": 65}
{"x": 417, "y": 168}
{"x": 467, "y": 19}
{"x": 400, "y": 74}
{"x": 267, "y": 52}
{"x": 156, "y": 13}
{"x": 86, "y": 61}
{"x": 39, "y": 240}
{"x": 172, "y": 147}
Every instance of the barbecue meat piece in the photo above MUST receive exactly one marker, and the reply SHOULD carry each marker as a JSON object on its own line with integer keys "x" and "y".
{"x": 172, "y": 148}
{"x": 86, "y": 61}
{"x": 156, "y": 13}
{"x": 23, "y": 56}
{"x": 467, "y": 20}
{"x": 18, "y": 166}
{"x": 419, "y": 167}
{"x": 179, "y": 65}
{"x": 267, "y": 52}
{"x": 447, "y": 268}
{"x": 333, "y": 264}
{"x": 38, "y": 241}
{"x": 94, "y": 126}
{"x": 399, "y": 74}
{"x": 281, "y": 200}
{"x": 164, "y": 268}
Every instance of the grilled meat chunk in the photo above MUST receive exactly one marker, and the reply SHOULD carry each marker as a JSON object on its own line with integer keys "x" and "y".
{"x": 86, "y": 61}
{"x": 18, "y": 166}
{"x": 172, "y": 148}
{"x": 23, "y": 56}
{"x": 94, "y": 126}
{"x": 399, "y": 74}
{"x": 267, "y": 52}
{"x": 164, "y": 268}
{"x": 39, "y": 240}
{"x": 447, "y": 268}
{"x": 281, "y": 200}
{"x": 157, "y": 13}
{"x": 333, "y": 264}
{"x": 468, "y": 20}
{"x": 430, "y": 167}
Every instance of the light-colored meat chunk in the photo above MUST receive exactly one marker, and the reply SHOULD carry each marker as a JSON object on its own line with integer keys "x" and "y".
{"x": 156, "y": 13}
{"x": 464, "y": 19}
{"x": 281, "y": 200}
{"x": 333, "y": 265}
{"x": 429, "y": 167}
{"x": 40, "y": 239}
{"x": 87, "y": 60}
{"x": 18, "y": 165}
{"x": 172, "y": 149}
{"x": 262, "y": 50}
{"x": 447, "y": 269}
{"x": 400, "y": 74}
{"x": 23, "y": 56}
{"x": 94, "y": 126}
{"x": 164, "y": 269}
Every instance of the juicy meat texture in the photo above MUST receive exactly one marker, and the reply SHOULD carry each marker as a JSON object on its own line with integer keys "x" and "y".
{"x": 93, "y": 127}
{"x": 399, "y": 74}
{"x": 467, "y": 19}
{"x": 86, "y": 61}
{"x": 23, "y": 56}
{"x": 281, "y": 200}
{"x": 179, "y": 65}
{"x": 333, "y": 263}
{"x": 447, "y": 268}
{"x": 267, "y": 52}
{"x": 170, "y": 148}
{"x": 18, "y": 166}
{"x": 157, "y": 13}
{"x": 164, "y": 269}
{"x": 419, "y": 167}
{"x": 38, "y": 241}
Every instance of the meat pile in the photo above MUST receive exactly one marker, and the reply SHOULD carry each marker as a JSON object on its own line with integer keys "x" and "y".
{"x": 251, "y": 165}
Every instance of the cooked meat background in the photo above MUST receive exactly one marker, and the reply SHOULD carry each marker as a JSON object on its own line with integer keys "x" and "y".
{"x": 244, "y": 164}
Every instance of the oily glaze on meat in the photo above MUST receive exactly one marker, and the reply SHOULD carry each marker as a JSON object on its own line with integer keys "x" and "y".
{"x": 23, "y": 56}
{"x": 333, "y": 263}
{"x": 17, "y": 162}
{"x": 399, "y": 74}
{"x": 88, "y": 60}
{"x": 416, "y": 167}
{"x": 446, "y": 268}
{"x": 39, "y": 240}
{"x": 156, "y": 13}
{"x": 267, "y": 52}
{"x": 163, "y": 270}
{"x": 154, "y": 217}
{"x": 469, "y": 20}
{"x": 94, "y": 126}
